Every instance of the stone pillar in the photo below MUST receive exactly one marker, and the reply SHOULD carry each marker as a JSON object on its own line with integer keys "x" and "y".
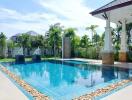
{"x": 123, "y": 51}
{"x": 66, "y": 47}
{"x": 108, "y": 55}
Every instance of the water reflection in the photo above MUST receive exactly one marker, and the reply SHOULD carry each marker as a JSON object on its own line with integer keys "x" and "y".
{"x": 108, "y": 73}
{"x": 54, "y": 75}
{"x": 123, "y": 73}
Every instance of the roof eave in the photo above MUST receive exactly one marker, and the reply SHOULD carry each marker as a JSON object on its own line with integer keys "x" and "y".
{"x": 111, "y": 8}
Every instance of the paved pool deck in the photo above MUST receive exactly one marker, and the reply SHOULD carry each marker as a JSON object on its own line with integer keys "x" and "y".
{"x": 8, "y": 90}
{"x": 123, "y": 94}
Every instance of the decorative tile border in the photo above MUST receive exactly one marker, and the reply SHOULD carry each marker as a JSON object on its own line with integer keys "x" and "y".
{"x": 103, "y": 91}
{"x": 36, "y": 94}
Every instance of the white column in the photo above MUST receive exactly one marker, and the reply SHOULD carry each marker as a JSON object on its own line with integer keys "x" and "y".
{"x": 123, "y": 37}
{"x": 108, "y": 37}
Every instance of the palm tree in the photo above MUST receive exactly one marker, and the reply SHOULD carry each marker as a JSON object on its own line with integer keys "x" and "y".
{"x": 54, "y": 37}
{"x": 2, "y": 44}
{"x": 84, "y": 43}
{"x": 70, "y": 32}
{"x": 96, "y": 38}
{"x": 92, "y": 29}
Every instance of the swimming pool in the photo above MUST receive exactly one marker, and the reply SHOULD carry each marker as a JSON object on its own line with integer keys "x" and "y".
{"x": 64, "y": 80}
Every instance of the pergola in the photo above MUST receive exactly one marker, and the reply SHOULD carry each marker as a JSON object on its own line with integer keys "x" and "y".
{"x": 118, "y": 12}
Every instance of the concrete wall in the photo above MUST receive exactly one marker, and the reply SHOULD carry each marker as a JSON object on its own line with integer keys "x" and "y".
{"x": 66, "y": 47}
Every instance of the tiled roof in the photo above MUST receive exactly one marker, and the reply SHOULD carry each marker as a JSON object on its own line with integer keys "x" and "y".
{"x": 112, "y": 5}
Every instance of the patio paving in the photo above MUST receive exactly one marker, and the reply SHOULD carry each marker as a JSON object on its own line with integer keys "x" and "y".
{"x": 123, "y": 94}
{"x": 8, "y": 91}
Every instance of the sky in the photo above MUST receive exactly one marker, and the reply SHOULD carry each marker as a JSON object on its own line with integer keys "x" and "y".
{"x": 18, "y": 16}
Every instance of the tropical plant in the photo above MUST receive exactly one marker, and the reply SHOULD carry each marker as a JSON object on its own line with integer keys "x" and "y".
{"x": 54, "y": 38}
{"x": 84, "y": 43}
{"x": 37, "y": 41}
{"x": 70, "y": 32}
{"x": 10, "y": 46}
{"x": 116, "y": 38}
{"x": 76, "y": 44}
{"x": 24, "y": 41}
{"x": 92, "y": 29}
{"x": 101, "y": 43}
{"x": 2, "y": 45}
{"x": 96, "y": 39}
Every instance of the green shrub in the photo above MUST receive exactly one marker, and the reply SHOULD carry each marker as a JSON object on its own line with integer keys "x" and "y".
{"x": 129, "y": 56}
{"x": 116, "y": 56}
{"x": 90, "y": 53}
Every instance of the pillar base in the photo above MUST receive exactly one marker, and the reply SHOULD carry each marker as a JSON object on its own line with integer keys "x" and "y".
{"x": 122, "y": 56}
{"x": 108, "y": 58}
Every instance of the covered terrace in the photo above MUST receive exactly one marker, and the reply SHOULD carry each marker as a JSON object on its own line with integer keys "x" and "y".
{"x": 120, "y": 13}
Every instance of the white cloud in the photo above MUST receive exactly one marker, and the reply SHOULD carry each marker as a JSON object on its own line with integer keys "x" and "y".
{"x": 23, "y": 22}
{"x": 12, "y": 14}
{"x": 70, "y": 13}
{"x": 21, "y": 27}
{"x": 76, "y": 13}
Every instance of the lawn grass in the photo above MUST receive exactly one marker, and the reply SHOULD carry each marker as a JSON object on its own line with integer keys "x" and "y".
{"x": 26, "y": 59}
{"x": 7, "y": 60}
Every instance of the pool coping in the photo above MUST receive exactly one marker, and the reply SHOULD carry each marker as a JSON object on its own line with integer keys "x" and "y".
{"x": 102, "y": 92}
{"x": 32, "y": 91}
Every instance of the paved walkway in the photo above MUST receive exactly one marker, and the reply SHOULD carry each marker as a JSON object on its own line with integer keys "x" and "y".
{"x": 8, "y": 91}
{"x": 123, "y": 94}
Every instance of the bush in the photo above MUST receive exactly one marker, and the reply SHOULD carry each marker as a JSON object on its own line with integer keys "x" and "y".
{"x": 129, "y": 56}
{"x": 90, "y": 53}
{"x": 80, "y": 52}
{"x": 116, "y": 56}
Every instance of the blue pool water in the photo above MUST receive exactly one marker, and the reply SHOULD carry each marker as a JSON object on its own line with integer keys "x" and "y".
{"x": 68, "y": 79}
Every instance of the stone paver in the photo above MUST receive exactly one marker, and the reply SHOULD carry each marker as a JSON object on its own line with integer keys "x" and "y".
{"x": 123, "y": 94}
{"x": 8, "y": 91}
